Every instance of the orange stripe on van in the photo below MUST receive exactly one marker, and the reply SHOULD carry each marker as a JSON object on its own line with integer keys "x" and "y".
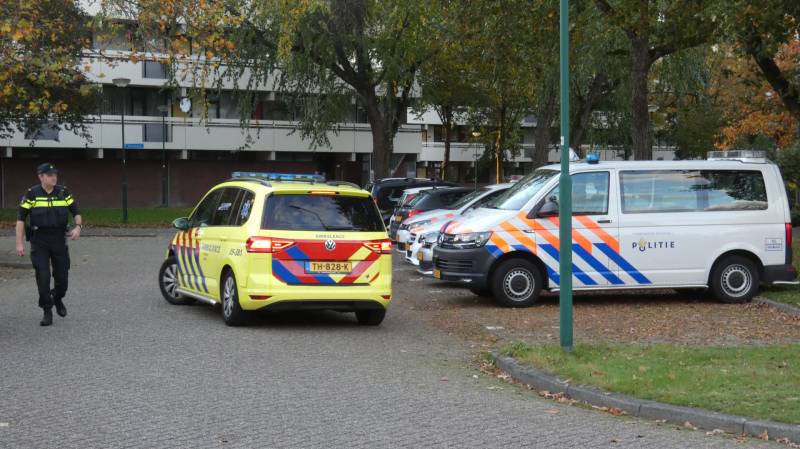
{"x": 519, "y": 235}
{"x": 577, "y": 237}
{"x": 600, "y": 232}
{"x": 500, "y": 243}
{"x": 547, "y": 235}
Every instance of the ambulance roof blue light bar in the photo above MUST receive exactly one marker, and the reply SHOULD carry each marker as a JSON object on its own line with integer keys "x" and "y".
{"x": 297, "y": 177}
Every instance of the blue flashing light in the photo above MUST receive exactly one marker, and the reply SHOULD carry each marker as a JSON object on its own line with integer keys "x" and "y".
{"x": 277, "y": 177}
{"x": 592, "y": 158}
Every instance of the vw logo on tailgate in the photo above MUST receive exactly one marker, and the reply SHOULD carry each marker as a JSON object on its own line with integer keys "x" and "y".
{"x": 330, "y": 245}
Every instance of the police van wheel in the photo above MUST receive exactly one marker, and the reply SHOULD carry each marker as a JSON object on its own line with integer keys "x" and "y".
{"x": 232, "y": 312}
{"x": 168, "y": 283}
{"x": 516, "y": 283}
{"x": 482, "y": 292}
{"x": 735, "y": 280}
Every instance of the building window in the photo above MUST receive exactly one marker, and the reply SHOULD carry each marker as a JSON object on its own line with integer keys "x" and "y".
{"x": 48, "y": 131}
{"x": 154, "y": 70}
{"x": 157, "y": 132}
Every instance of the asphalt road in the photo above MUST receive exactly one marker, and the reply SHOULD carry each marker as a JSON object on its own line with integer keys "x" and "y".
{"x": 125, "y": 369}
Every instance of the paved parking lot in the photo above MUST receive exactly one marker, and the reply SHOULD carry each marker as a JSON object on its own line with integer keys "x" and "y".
{"x": 125, "y": 369}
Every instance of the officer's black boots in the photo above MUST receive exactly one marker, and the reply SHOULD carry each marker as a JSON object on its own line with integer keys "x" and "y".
{"x": 47, "y": 319}
{"x": 61, "y": 309}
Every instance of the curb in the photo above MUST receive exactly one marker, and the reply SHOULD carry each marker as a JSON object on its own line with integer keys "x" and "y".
{"x": 786, "y": 308}
{"x": 676, "y": 414}
{"x": 6, "y": 264}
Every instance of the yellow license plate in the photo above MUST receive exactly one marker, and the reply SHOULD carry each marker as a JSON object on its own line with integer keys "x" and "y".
{"x": 398, "y": 218}
{"x": 437, "y": 274}
{"x": 420, "y": 256}
{"x": 329, "y": 267}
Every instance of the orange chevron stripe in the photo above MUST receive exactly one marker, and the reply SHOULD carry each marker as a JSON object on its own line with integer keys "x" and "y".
{"x": 500, "y": 243}
{"x": 547, "y": 235}
{"x": 577, "y": 237}
{"x": 519, "y": 235}
{"x": 598, "y": 231}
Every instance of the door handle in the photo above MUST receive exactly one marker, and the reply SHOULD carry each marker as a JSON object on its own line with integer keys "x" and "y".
{"x": 528, "y": 231}
{"x": 604, "y": 221}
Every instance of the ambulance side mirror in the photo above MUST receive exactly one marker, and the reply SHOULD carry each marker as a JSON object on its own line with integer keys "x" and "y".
{"x": 181, "y": 224}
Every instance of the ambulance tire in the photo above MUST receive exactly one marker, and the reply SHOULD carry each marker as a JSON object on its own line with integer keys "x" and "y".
{"x": 734, "y": 280}
{"x": 168, "y": 282}
{"x": 516, "y": 283}
{"x": 232, "y": 312}
{"x": 370, "y": 317}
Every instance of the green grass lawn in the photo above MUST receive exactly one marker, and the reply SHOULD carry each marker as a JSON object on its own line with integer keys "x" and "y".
{"x": 137, "y": 217}
{"x": 760, "y": 382}
{"x": 789, "y": 294}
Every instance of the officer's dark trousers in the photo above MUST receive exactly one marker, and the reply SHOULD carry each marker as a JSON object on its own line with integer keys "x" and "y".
{"x": 47, "y": 247}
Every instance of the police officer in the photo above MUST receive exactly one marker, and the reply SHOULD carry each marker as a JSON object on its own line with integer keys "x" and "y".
{"x": 47, "y": 206}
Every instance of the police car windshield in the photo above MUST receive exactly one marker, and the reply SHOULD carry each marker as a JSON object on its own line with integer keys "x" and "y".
{"x": 297, "y": 212}
{"x": 466, "y": 199}
{"x": 522, "y": 191}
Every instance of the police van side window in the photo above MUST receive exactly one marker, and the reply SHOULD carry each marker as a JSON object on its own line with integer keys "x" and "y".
{"x": 205, "y": 210}
{"x": 589, "y": 193}
{"x": 649, "y": 191}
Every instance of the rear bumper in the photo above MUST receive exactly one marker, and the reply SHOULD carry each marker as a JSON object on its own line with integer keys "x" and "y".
{"x": 338, "y": 306}
{"x": 470, "y": 266}
{"x": 316, "y": 297}
{"x": 780, "y": 274}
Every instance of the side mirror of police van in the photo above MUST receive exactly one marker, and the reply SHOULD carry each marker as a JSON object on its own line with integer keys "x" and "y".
{"x": 548, "y": 209}
{"x": 181, "y": 224}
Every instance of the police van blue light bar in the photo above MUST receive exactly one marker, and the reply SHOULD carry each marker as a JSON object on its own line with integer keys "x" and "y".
{"x": 297, "y": 177}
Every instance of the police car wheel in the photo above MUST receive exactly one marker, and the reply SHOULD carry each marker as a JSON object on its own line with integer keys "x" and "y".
{"x": 735, "y": 280}
{"x": 232, "y": 312}
{"x": 516, "y": 283}
{"x": 370, "y": 317}
{"x": 168, "y": 283}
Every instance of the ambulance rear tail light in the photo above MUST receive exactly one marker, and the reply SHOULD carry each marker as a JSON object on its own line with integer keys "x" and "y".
{"x": 258, "y": 244}
{"x": 788, "y": 243}
{"x": 413, "y": 212}
{"x": 379, "y": 246}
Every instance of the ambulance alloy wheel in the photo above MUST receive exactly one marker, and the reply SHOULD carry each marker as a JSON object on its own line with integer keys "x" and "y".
{"x": 232, "y": 312}
{"x": 168, "y": 283}
{"x": 516, "y": 283}
{"x": 735, "y": 280}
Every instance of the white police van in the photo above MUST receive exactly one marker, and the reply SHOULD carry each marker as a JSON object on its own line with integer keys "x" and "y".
{"x": 721, "y": 224}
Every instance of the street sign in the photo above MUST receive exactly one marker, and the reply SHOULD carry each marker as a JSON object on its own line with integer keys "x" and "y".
{"x": 134, "y": 146}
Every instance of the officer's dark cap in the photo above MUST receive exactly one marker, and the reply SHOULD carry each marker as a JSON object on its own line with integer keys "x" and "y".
{"x": 46, "y": 169}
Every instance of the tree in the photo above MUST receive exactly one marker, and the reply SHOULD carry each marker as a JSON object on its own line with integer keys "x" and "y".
{"x": 654, "y": 29}
{"x": 322, "y": 53}
{"x": 443, "y": 77}
{"x": 509, "y": 48}
{"x": 41, "y": 81}
{"x": 766, "y": 30}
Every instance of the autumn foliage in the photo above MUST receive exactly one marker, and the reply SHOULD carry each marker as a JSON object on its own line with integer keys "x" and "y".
{"x": 40, "y": 77}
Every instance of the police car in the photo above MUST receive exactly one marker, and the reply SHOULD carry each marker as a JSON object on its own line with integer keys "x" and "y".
{"x": 721, "y": 224}
{"x": 278, "y": 242}
{"x": 421, "y": 231}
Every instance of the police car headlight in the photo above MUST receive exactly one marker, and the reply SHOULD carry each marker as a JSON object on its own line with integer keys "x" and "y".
{"x": 471, "y": 239}
{"x": 429, "y": 237}
{"x": 419, "y": 224}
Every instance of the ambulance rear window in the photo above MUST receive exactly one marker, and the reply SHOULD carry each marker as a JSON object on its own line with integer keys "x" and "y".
{"x": 299, "y": 212}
